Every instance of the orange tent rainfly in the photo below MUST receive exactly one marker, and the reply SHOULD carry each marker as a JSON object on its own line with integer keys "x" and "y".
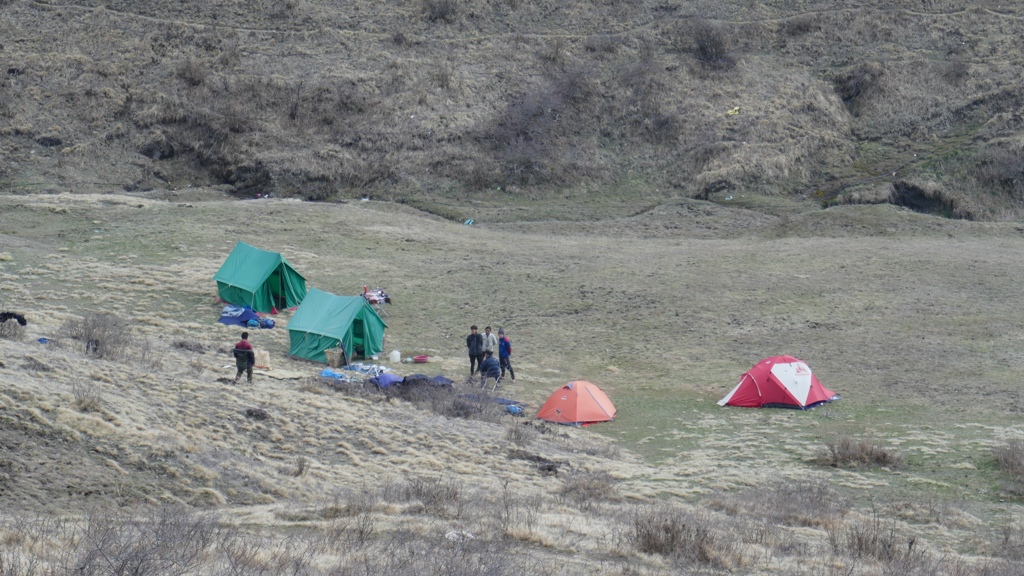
{"x": 781, "y": 382}
{"x": 578, "y": 403}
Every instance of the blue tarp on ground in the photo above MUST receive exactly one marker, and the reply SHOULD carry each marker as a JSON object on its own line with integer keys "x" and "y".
{"x": 237, "y": 316}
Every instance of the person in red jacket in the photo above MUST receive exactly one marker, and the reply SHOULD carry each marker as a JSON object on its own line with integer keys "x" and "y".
{"x": 505, "y": 355}
{"x": 244, "y": 358}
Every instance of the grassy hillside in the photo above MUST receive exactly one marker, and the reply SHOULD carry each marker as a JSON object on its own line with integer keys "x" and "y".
{"x": 441, "y": 102}
{"x": 911, "y": 318}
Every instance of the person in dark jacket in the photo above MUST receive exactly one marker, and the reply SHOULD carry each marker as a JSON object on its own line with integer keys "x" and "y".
{"x": 505, "y": 354}
{"x": 475, "y": 346}
{"x": 245, "y": 358}
{"x": 489, "y": 368}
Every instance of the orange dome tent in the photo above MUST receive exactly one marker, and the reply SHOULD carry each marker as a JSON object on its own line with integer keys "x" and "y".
{"x": 578, "y": 402}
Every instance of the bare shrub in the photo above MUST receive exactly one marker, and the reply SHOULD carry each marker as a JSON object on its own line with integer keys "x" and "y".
{"x": 877, "y": 538}
{"x": 812, "y": 503}
{"x": 520, "y": 435}
{"x": 196, "y": 367}
{"x": 300, "y": 467}
{"x": 1002, "y": 168}
{"x": 191, "y": 346}
{"x": 101, "y": 335}
{"x": 170, "y": 540}
{"x": 441, "y": 10}
{"x": 87, "y": 396}
{"x": 554, "y": 52}
{"x": 585, "y": 488}
{"x": 956, "y": 70}
{"x": 1010, "y": 459}
{"x": 446, "y": 401}
{"x": 192, "y": 71}
{"x": 443, "y": 498}
{"x": 846, "y": 451}
{"x": 1011, "y": 543}
{"x": 857, "y": 84}
{"x": 573, "y": 84}
{"x": 669, "y": 531}
{"x": 443, "y": 75}
{"x": 801, "y": 24}
{"x": 12, "y": 330}
{"x": 711, "y": 46}
{"x": 602, "y": 45}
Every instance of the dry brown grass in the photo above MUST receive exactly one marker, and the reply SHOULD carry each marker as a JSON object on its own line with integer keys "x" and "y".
{"x": 716, "y": 287}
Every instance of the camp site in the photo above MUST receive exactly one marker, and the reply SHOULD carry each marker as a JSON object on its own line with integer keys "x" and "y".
{"x": 760, "y": 266}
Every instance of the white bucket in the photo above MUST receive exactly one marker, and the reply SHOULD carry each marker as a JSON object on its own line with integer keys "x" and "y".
{"x": 396, "y": 356}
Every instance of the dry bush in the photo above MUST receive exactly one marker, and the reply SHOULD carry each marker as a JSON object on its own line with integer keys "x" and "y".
{"x": 585, "y": 488}
{"x": 11, "y": 330}
{"x": 443, "y": 75}
{"x": 447, "y": 401}
{"x": 101, "y": 335}
{"x": 192, "y": 71}
{"x": 300, "y": 467}
{"x": 191, "y": 346}
{"x": 812, "y": 503}
{"x": 1002, "y": 168}
{"x": 520, "y": 434}
{"x": 856, "y": 85}
{"x": 801, "y": 24}
{"x": 441, "y": 497}
{"x": 196, "y": 367}
{"x": 87, "y": 396}
{"x": 1010, "y": 459}
{"x": 554, "y": 52}
{"x": 446, "y": 11}
{"x": 602, "y": 45}
{"x": 879, "y": 539}
{"x": 669, "y": 531}
{"x": 711, "y": 46}
{"x": 573, "y": 84}
{"x": 1011, "y": 543}
{"x": 846, "y": 451}
{"x": 169, "y": 540}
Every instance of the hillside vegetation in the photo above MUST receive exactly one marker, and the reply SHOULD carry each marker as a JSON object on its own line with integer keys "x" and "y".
{"x": 440, "y": 102}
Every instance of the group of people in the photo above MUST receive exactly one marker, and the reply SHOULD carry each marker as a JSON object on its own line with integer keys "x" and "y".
{"x": 481, "y": 355}
{"x": 481, "y": 348}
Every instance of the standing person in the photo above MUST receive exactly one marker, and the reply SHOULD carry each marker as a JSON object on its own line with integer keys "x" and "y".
{"x": 475, "y": 346}
{"x": 244, "y": 358}
{"x": 505, "y": 355}
{"x": 490, "y": 342}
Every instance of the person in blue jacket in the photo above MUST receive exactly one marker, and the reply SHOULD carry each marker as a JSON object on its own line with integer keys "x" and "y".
{"x": 505, "y": 355}
{"x": 489, "y": 368}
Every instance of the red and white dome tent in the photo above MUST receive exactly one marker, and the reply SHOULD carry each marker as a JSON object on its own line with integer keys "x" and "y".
{"x": 779, "y": 382}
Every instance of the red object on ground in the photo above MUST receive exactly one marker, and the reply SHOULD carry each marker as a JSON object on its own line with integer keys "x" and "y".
{"x": 420, "y": 359}
{"x": 779, "y": 381}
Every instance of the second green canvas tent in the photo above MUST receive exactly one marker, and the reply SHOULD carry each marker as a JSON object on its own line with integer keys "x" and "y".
{"x": 324, "y": 320}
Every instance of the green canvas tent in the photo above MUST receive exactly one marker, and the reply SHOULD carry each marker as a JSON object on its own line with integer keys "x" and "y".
{"x": 323, "y": 320}
{"x": 261, "y": 280}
